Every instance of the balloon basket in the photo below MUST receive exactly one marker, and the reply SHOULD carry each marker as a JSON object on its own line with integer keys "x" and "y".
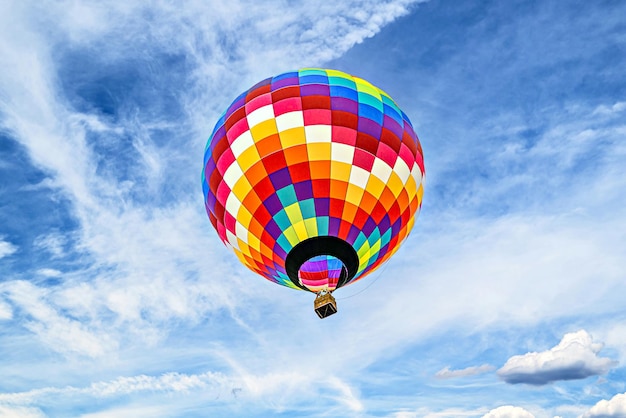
{"x": 325, "y": 305}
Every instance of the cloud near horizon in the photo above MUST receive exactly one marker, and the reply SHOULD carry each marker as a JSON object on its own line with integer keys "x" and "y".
{"x": 268, "y": 390}
{"x": 575, "y": 357}
{"x": 612, "y": 408}
{"x": 508, "y": 411}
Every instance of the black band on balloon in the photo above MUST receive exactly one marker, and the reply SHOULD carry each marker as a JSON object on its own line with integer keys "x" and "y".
{"x": 325, "y": 245}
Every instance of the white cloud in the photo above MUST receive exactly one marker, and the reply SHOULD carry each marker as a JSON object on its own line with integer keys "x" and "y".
{"x": 8, "y": 411}
{"x": 444, "y": 413}
{"x": 274, "y": 391}
{"x": 446, "y": 373}
{"x": 141, "y": 249}
{"x": 612, "y": 408}
{"x": 404, "y": 414}
{"x": 508, "y": 411}
{"x": 345, "y": 394}
{"x": 150, "y": 263}
{"x": 148, "y": 411}
{"x": 573, "y": 409}
{"x": 46, "y": 272}
{"x": 168, "y": 382}
{"x": 5, "y": 310}
{"x": 53, "y": 243}
{"x": 605, "y": 110}
{"x": 575, "y": 357}
{"x": 6, "y": 248}
{"x": 59, "y": 332}
{"x": 518, "y": 269}
{"x": 614, "y": 335}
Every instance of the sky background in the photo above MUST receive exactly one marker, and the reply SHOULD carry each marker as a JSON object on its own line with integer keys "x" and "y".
{"x": 117, "y": 298}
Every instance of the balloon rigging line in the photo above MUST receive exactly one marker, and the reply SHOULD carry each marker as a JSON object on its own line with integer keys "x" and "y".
{"x": 380, "y": 273}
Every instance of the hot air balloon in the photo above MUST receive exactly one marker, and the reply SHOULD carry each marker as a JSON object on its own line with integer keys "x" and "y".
{"x": 314, "y": 179}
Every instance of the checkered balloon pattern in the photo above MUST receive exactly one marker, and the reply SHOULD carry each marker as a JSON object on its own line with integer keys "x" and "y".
{"x": 313, "y": 153}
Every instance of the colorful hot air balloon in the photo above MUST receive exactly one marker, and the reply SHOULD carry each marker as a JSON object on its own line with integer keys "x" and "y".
{"x": 314, "y": 179}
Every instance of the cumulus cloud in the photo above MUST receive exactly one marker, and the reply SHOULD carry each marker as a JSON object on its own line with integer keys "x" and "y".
{"x": 6, "y": 248}
{"x": 612, "y": 408}
{"x": 447, "y": 373}
{"x": 508, "y": 411}
{"x": 575, "y": 357}
{"x": 445, "y": 413}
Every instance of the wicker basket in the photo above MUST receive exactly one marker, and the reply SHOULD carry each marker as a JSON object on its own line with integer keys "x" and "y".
{"x": 325, "y": 305}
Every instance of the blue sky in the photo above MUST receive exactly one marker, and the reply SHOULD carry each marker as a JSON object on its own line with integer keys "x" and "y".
{"x": 118, "y": 299}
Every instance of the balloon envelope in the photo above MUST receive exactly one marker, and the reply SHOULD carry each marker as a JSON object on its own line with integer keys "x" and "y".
{"x": 313, "y": 178}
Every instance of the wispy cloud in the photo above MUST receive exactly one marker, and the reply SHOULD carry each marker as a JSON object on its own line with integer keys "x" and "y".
{"x": 345, "y": 394}
{"x": 575, "y": 357}
{"x": 612, "y": 110}
{"x": 56, "y": 330}
{"x": 143, "y": 257}
{"x": 614, "y": 336}
{"x": 447, "y": 373}
{"x": 6, "y": 248}
{"x": 130, "y": 411}
{"x": 52, "y": 242}
{"x": 271, "y": 391}
{"x": 47, "y": 272}
{"x": 169, "y": 382}
{"x": 5, "y": 310}
{"x": 20, "y": 412}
